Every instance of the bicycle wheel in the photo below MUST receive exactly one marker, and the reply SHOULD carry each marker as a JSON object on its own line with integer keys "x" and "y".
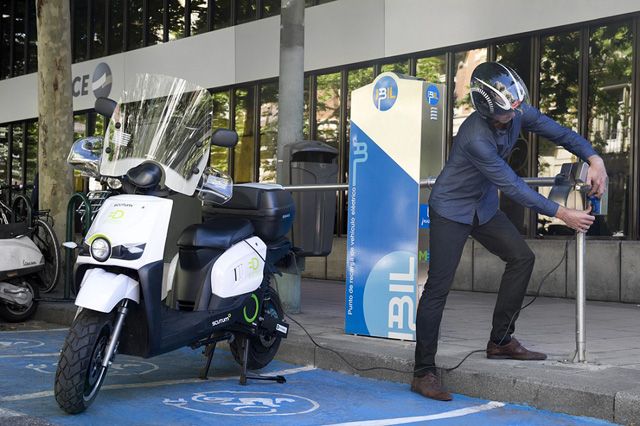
{"x": 45, "y": 239}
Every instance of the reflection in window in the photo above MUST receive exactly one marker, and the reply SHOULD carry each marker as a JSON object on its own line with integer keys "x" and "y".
{"x": 32, "y": 41}
{"x": 221, "y": 14}
{"x": 32, "y": 151}
{"x": 17, "y": 176}
{"x": 79, "y": 126}
{"x": 270, "y": 8}
{"x": 115, "y": 26}
{"x": 517, "y": 55}
{"x": 80, "y": 31}
{"x": 306, "y": 116}
{"x": 135, "y": 37}
{"x": 401, "y": 67}
{"x": 328, "y": 108}
{"x": 244, "y": 116}
{"x": 559, "y": 69}
{"x": 466, "y": 62}
{"x": 432, "y": 69}
{"x": 268, "y": 131}
{"x": 98, "y": 129}
{"x": 199, "y": 17}
{"x": 245, "y": 11}
{"x": 176, "y": 14}
{"x": 19, "y": 36}
{"x": 155, "y": 22}
{"x": 5, "y": 39}
{"x": 356, "y": 79}
{"x": 97, "y": 28}
{"x": 4, "y": 153}
{"x": 220, "y": 120}
{"x": 609, "y": 124}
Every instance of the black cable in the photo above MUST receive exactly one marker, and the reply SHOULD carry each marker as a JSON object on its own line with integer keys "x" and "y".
{"x": 438, "y": 368}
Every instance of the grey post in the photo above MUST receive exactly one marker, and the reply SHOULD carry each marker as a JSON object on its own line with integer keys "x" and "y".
{"x": 290, "y": 117}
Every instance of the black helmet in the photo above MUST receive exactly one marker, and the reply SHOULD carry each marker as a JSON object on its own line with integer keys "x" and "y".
{"x": 497, "y": 89}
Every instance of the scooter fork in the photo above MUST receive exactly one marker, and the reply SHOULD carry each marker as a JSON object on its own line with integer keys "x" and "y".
{"x": 115, "y": 336}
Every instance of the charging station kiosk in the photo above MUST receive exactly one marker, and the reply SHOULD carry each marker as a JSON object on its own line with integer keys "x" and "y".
{"x": 396, "y": 140}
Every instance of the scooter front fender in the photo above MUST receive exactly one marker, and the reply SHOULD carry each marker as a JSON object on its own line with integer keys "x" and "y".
{"x": 101, "y": 290}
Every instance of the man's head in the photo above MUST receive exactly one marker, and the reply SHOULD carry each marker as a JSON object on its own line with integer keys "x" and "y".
{"x": 497, "y": 92}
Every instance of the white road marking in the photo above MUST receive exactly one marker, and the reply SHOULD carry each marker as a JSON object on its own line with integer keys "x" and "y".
{"x": 46, "y": 394}
{"x": 446, "y": 415}
{"x": 4, "y": 413}
{"x": 34, "y": 331}
{"x": 23, "y": 355}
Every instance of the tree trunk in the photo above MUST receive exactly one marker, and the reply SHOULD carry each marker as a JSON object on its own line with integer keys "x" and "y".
{"x": 55, "y": 109}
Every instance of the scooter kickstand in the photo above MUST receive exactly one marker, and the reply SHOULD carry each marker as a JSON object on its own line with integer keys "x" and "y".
{"x": 208, "y": 352}
{"x": 243, "y": 372}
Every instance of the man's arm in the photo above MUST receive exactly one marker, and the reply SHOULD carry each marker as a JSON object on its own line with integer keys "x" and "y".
{"x": 535, "y": 121}
{"x": 484, "y": 155}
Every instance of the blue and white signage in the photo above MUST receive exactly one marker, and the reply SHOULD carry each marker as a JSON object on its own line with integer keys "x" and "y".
{"x": 385, "y": 93}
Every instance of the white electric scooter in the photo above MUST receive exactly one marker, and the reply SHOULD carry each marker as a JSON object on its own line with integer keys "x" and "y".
{"x": 153, "y": 277}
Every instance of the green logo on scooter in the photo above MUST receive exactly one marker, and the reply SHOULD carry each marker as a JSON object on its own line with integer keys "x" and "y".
{"x": 255, "y": 314}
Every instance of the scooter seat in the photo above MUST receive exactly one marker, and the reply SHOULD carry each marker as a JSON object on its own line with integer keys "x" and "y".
{"x": 220, "y": 233}
{"x": 12, "y": 230}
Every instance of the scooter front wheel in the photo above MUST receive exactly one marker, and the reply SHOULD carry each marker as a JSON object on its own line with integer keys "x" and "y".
{"x": 80, "y": 373}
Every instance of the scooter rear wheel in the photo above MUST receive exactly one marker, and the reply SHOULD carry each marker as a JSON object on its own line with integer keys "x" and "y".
{"x": 263, "y": 348}
{"x": 45, "y": 238}
{"x": 19, "y": 313}
{"x": 80, "y": 373}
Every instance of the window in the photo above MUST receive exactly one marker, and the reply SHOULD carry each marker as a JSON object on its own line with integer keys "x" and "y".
{"x": 32, "y": 152}
{"x": 5, "y": 39}
{"x": 466, "y": 62}
{"x": 135, "y": 36}
{"x": 19, "y": 36}
{"x": 609, "y": 118}
{"x": 17, "y": 176}
{"x": 4, "y": 154}
{"x": 432, "y": 69}
{"x": 220, "y": 120}
{"x": 98, "y": 35}
{"x": 176, "y": 19}
{"x": 199, "y": 17}
{"x": 559, "y": 71}
{"x": 517, "y": 55}
{"x": 116, "y": 16}
{"x": 155, "y": 22}
{"x": 328, "y": 108}
{"x": 268, "y": 131}
{"x": 270, "y": 8}
{"x": 32, "y": 39}
{"x": 245, "y": 11}
{"x": 80, "y": 31}
{"x": 79, "y": 126}
{"x": 245, "y": 120}
{"x": 401, "y": 67}
{"x": 221, "y": 14}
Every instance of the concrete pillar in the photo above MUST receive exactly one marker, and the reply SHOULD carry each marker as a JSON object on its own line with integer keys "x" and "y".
{"x": 290, "y": 117}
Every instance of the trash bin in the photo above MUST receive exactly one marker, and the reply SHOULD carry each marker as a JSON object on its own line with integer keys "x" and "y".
{"x": 313, "y": 162}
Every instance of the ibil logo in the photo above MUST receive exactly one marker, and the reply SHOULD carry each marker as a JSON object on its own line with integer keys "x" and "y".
{"x": 385, "y": 93}
{"x": 433, "y": 94}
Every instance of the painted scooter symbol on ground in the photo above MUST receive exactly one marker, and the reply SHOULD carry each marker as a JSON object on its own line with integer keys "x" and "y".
{"x": 135, "y": 368}
{"x": 13, "y": 345}
{"x": 236, "y": 403}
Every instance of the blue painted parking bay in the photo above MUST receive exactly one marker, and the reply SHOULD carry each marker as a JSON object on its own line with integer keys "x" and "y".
{"x": 166, "y": 390}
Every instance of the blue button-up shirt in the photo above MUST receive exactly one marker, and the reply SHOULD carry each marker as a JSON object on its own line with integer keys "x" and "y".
{"x": 477, "y": 167}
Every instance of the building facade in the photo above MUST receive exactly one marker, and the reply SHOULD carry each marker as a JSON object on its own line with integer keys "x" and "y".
{"x": 580, "y": 58}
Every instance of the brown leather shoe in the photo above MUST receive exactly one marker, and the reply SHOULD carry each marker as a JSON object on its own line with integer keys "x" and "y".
{"x": 513, "y": 350}
{"x": 430, "y": 387}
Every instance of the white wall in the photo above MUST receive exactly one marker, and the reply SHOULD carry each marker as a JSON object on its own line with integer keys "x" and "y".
{"x": 337, "y": 33}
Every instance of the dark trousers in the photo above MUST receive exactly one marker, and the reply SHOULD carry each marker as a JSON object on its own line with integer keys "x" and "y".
{"x": 446, "y": 242}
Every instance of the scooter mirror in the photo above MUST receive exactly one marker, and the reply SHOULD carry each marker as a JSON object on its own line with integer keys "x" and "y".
{"x": 85, "y": 156}
{"x": 225, "y": 138}
{"x": 215, "y": 186}
{"x": 105, "y": 106}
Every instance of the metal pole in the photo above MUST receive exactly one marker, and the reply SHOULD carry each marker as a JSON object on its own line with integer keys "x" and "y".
{"x": 581, "y": 340}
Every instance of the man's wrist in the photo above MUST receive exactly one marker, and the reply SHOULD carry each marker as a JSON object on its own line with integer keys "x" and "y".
{"x": 595, "y": 159}
{"x": 560, "y": 212}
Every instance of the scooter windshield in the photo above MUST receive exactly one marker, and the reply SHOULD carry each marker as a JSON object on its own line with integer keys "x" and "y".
{"x": 163, "y": 119}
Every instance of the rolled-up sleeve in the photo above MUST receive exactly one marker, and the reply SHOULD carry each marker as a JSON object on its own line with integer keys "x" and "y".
{"x": 483, "y": 154}
{"x": 535, "y": 121}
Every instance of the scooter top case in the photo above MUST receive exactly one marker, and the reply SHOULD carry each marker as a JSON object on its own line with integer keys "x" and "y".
{"x": 20, "y": 255}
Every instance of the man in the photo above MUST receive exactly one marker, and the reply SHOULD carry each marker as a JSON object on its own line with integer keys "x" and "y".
{"x": 464, "y": 202}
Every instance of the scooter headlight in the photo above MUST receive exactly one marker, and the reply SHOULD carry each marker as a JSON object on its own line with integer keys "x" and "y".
{"x": 100, "y": 249}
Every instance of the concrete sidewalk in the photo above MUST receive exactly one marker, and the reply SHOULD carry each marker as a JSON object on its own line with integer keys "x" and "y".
{"x": 607, "y": 387}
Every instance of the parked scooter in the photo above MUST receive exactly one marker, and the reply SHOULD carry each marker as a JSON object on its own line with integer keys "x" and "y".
{"x": 153, "y": 277}
{"x": 29, "y": 259}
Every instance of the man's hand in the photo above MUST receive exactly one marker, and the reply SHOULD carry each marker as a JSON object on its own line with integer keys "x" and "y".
{"x": 597, "y": 176}
{"x": 576, "y": 219}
